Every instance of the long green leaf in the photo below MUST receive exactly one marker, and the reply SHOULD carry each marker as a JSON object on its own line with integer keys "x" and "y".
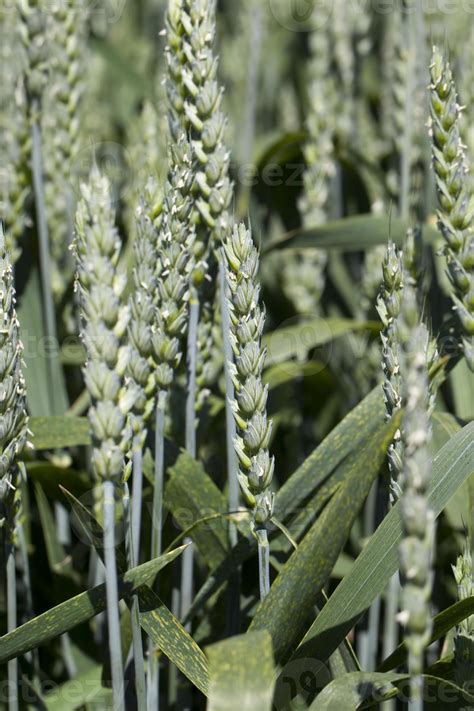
{"x": 349, "y": 234}
{"x": 83, "y": 607}
{"x": 379, "y": 559}
{"x": 442, "y": 624}
{"x": 342, "y": 441}
{"x": 161, "y": 626}
{"x": 57, "y": 558}
{"x": 59, "y": 432}
{"x": 242, "y": 673}
{"x": 191, "y": 495}
{"x": 50, "y": 477}
{"x": 298, "y": 339}
{"x": 293, "y": 594}
{"x": 350, "y": 691}
{"x": 44, "y": 377}
{"x": 311, "y": 485}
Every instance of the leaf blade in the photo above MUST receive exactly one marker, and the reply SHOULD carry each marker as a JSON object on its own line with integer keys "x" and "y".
{"x": 234, "y": 683}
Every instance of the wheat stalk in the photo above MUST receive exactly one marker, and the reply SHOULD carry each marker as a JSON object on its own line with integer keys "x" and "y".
{"x": 389, "y": 305}
{"x": 61, "y": 121}
{"x": 13, "y": 441}
{"x": 173, "y": 318}
{"x": 15, "y": 140}
{"x": 416, "y": 547}
{"x": 253, "y": 427}
{"x": 105, "y": 320}
{"x": 195, "y": 106}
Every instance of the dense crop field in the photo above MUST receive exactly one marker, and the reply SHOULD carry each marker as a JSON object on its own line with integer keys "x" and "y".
{"x": 236, "y": 355}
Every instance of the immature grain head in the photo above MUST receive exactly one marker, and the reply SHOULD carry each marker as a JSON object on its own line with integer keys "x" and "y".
{"x": 464, "y": 639}
{"x": 195, "y": 99}
{"x": 417, "y": 516}
{"x": 33, "y": 28}
{"x": 455, "y": 214}
{"x": 13, "y": 414}
{"x": 174, "y": 266}
{"x": 14, "y": 137}
{"x": 105, "y": 319}
{"x": 61, "y": 128}
{"x": 142, "y": 302}
{"x": 389, "y": 310}
{"x": 253, "y": 427}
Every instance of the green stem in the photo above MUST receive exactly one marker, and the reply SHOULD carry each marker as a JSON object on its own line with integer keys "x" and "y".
{"x": 190, "y": 442}
{"x": 113, "y": 616}
{"x": 156, "y": 540}
{"x": 192, "y": 350}
{"x": 263, "y": 564}
{"x": 13, "y": 701}
{"x": 416, "y": 694}
{"x": 153, "y": 678}
{"x": 137, "y": 644}
{"x": 405, "y": 159}
{"x": 136, "y": 514}
{"x": 367, "y": 646}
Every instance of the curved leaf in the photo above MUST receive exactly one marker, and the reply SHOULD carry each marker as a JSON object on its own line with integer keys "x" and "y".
{"x": 190, "y": 495}
{"x": 349, "y": 234}
{"x": 310, "y": 486}
{"x": 344, "y": 439}
{"x": 293, "y": 594}
{"x": 73, "y": 612}
{"x": 161, "y": 626}
{"x": 242, "y": 673}
{"x": 297, "y": 340}
{"x": 351, "y": 690}
{"x": 379, "y": 559}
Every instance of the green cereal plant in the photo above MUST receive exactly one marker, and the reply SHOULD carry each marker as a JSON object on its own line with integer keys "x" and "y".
{"x": 149, "y": 218}
{"x": 15, "y": 144}
{"x": 105, "y": 319}
{"x": 455, "y": 216}
{"x": 389, "y": 305}
{"x": 13, "y": 441}
{"x": 195, "y": 99}
{"x": 195, "y": 106}
{"x": 254, "y": 428}
{"x": 173, "y": 270}
{"x": 416, "y": 547}
{"x": 61, "y": 130}
{"x": 464, "y": 639}
{"x": 173, "y": 278}
{"x": 141, "y": 371}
